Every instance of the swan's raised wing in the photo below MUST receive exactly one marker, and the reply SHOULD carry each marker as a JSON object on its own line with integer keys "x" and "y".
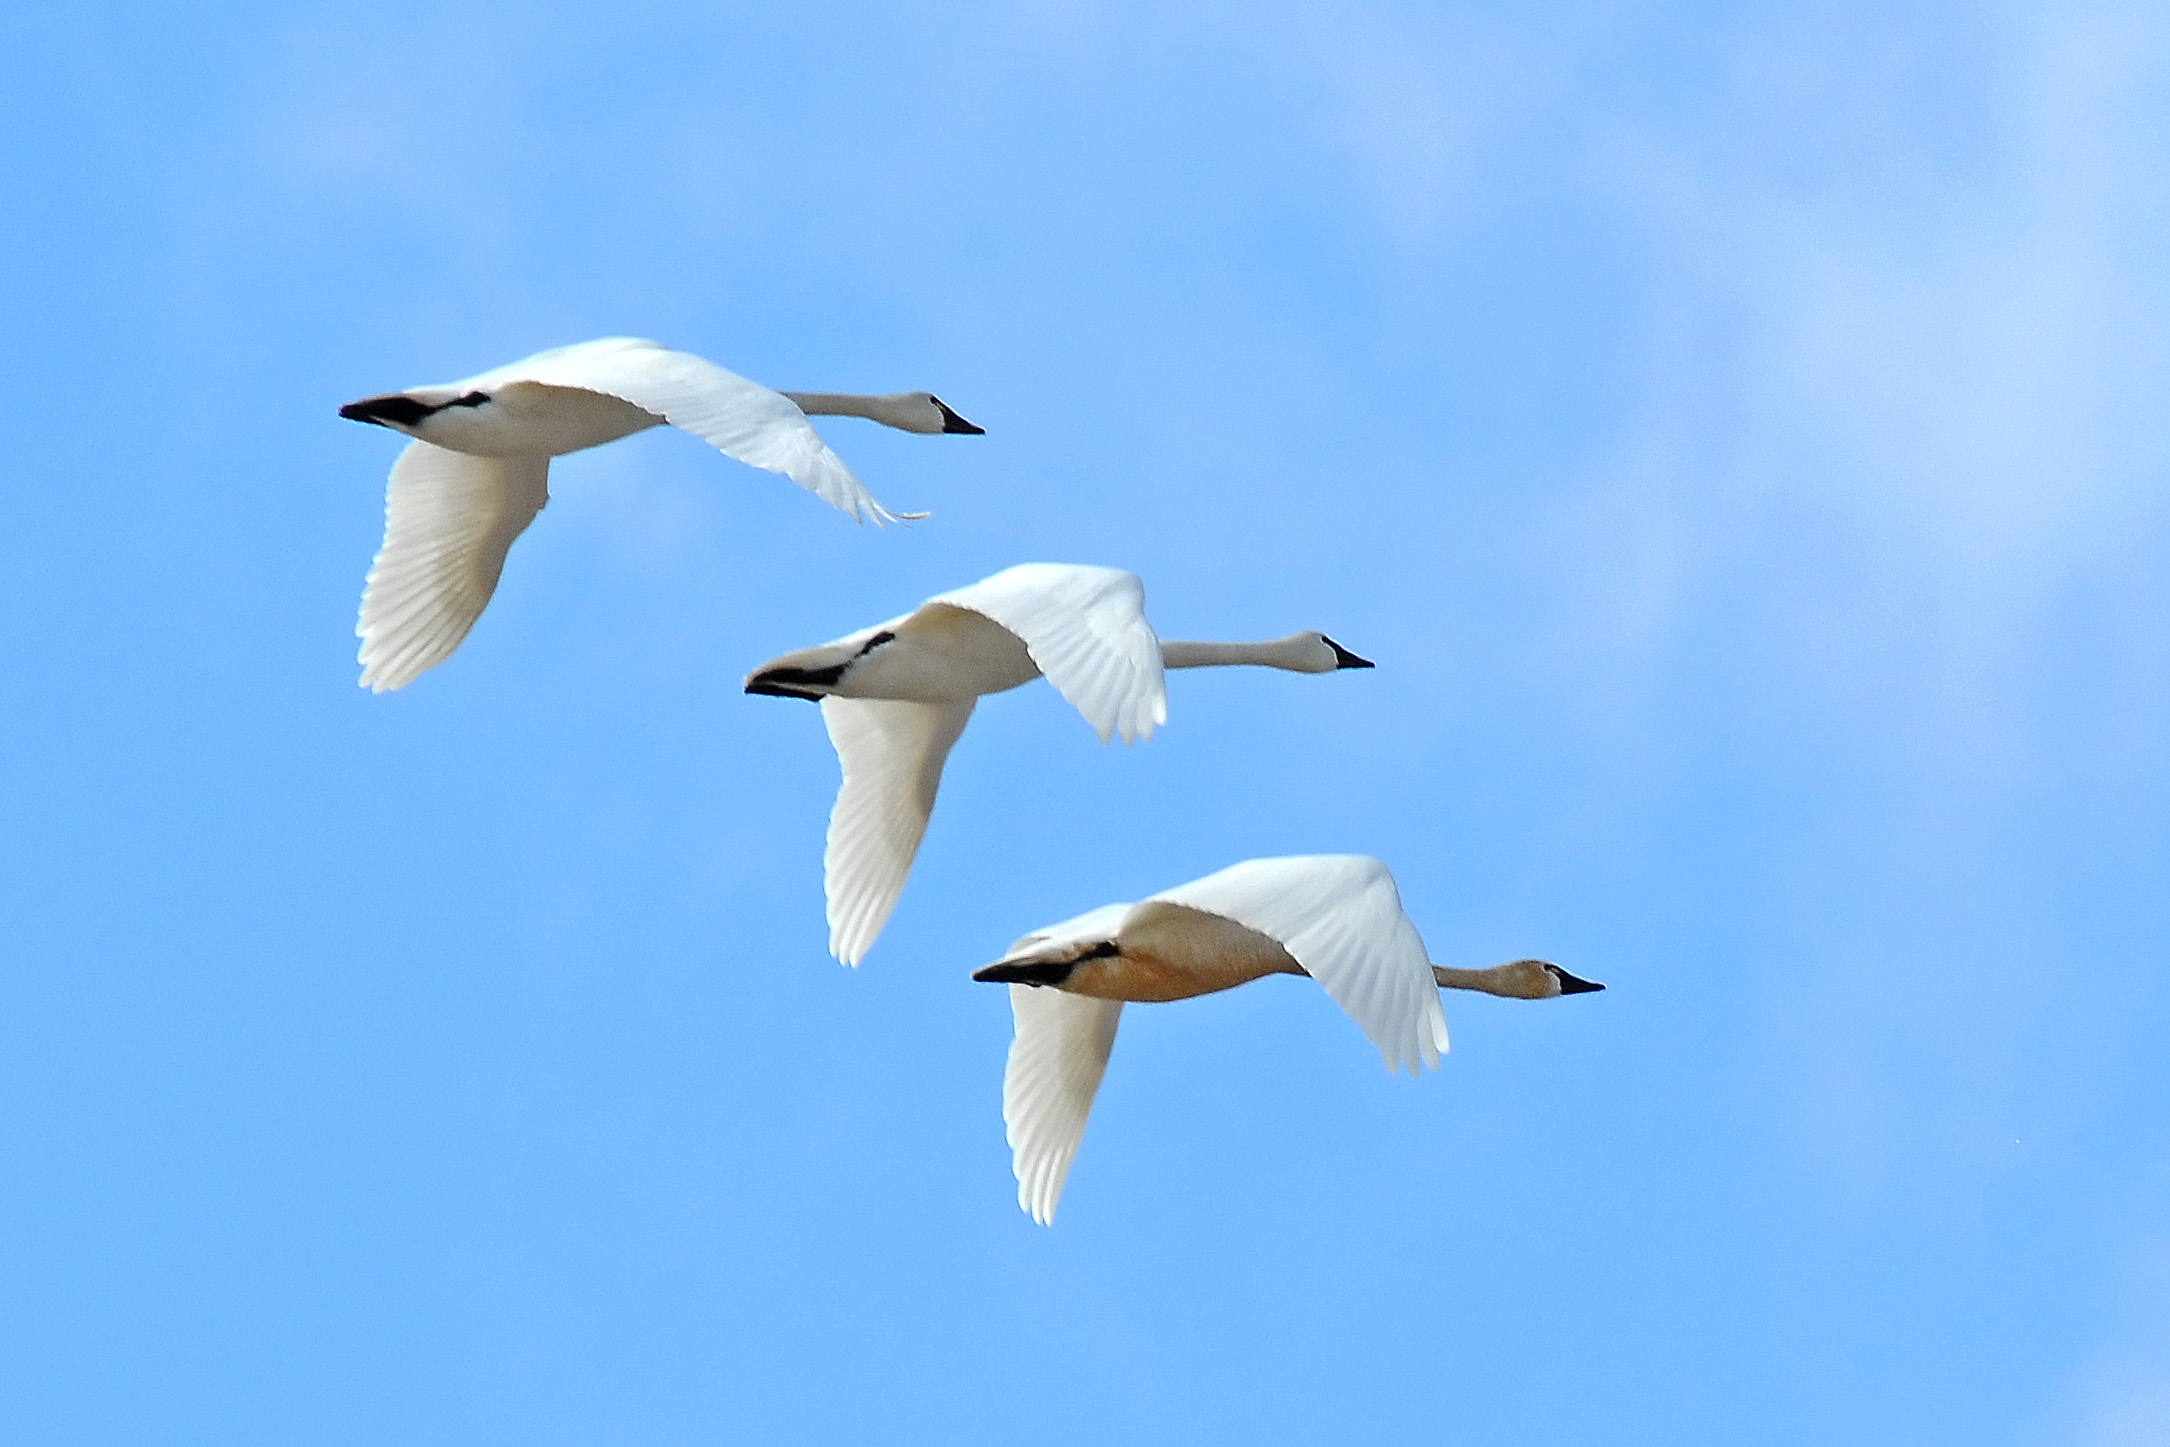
{"x": 1341, "y": 917}
{"x": 1056, "y": 1062}
{"x": 740, "y": 418}
{"x": 449, "y": 519}
{"x": 1085, "y": 627}
{"x": 892, "y": 753}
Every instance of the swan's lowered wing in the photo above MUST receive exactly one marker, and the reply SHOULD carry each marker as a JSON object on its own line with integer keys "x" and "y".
{"x": 449, "y": 519}
{"x": 1085, "y": 627}
{"x": 1056, "y": 1062}
{"x": 892, "y": 753}
{"x": 1341, "y": 917}
{"x": 740, "y": 418}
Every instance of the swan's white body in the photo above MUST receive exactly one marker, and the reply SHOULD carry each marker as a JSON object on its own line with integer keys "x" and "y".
{"x": 1335, "y": 917}
{"x": 478, "y": 470}
{"x": 897, "y": 696}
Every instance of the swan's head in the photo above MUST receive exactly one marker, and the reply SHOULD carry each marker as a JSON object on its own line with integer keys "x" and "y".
{"x": 1319, "y": 654}
{"x": 406, "y": 411}
{"x": 797, "y": 676}
{"x": 813, "y": 673}
{"x": 925, "y": 412}
{"x": 1542, "y": 980}
{"x": 951, "y": 422}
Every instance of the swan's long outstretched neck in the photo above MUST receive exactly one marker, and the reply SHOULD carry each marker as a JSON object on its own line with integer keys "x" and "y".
{"x": 1297, "y": 653}
{"x": 905, "y": 411}
{"x": 1516, "y": 980}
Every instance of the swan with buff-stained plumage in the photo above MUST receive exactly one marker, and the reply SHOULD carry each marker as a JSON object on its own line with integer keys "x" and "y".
{"x": 1335, "y": 917}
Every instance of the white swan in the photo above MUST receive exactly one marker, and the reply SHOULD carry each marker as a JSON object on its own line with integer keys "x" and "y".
{"x": 1334, "y": 917}
{"x": 479, "y": 468}
{"x": 897, "y": 696}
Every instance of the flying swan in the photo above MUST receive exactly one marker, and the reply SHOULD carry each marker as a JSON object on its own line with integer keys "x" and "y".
{"x": 479, "y": 468}
{"x": 1334, "y": 917}
{"x": 897, "y": 696}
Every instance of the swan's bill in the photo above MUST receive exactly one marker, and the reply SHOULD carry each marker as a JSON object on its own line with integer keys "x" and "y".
{"x": 1569, "y": 984}
{"x": 952, "y": 423}
{"x": 1345, "y": 659}
{"x": 401, "y": 412}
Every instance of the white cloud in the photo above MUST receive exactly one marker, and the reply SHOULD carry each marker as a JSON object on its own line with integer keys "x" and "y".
{"x": 1955, "y": 339}
{"x": 2120, "y": 1396}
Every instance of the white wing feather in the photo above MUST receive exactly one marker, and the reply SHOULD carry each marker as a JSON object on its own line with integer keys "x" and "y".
{"x": 1341, "y": 917}
{"x": 892, "y": 753}
{"x": 1056, "y": 1062}
{"x": 449, "y": 519}
{"x": 1085, "y": 627}
{"x": 740, "y": 418}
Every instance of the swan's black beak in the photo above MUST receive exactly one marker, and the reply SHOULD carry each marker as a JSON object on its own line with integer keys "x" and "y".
{"x": 951, "y": 422}
{"x": 1569, "y": 985}
{"x": 1345, "y": 659}
{"x": 791, "y": 682}
{"x": 788, "y": 680}
{"x": 400, "y": 410}
{"x": 1025, "y": 972}
{"x": 395, "y": 410}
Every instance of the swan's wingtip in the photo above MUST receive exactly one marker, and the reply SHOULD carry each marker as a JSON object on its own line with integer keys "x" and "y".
{"x": 1415, "y": 1063}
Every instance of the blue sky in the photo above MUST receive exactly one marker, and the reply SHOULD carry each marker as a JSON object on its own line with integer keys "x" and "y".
{"x": 1739, "y": 435}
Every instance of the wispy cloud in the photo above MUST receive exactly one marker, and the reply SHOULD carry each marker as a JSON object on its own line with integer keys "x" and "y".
{"x": 2120, "y": 1396}
{"x": 1956, "y": 339}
